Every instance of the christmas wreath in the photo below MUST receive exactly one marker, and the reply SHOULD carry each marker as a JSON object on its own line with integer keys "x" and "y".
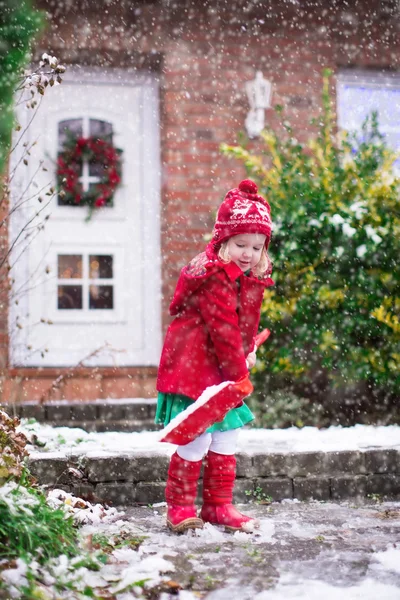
{"x": 94, "y": 150}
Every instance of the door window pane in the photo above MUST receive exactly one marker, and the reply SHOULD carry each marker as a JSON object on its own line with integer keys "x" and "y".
{"x": 87, "y": 268}
{"x": 70, "y": 266}
{"x": 69, "y": 297}
{"x": 96, "y": 169}
{"x": 101, "y": 129}
{"x": 100, "y": 266}
{"x": 68, "y": 128}
{"x": 101, "y": 296}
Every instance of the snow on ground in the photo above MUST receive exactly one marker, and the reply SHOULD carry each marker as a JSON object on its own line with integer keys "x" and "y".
{"x": 301, "y": 551}
{"x": 251, "y": 441}
{"x": 304, "y": 551}
{"x": 292, "y": 589}
{"x": 82, "y": 511}
{"x": 388, "y": 560}
{"x": 304, "y": 584}
{"x": 299, "y": 577}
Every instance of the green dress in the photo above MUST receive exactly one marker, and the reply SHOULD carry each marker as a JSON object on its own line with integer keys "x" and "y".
{"x": 170, "y": 405}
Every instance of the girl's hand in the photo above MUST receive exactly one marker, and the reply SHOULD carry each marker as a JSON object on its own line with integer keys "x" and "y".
{"x": 251, "y": 359}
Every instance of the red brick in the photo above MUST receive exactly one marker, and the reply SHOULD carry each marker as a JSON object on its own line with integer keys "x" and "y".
{"x": 148, "y": 388}
{"x": 121, "y": 387}
{"x": 35, "y": 389}
{"x": 10, "y": 390}
{"x": 82, "y": 388}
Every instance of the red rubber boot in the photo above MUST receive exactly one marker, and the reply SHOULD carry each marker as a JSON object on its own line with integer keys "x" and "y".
{"x": 218, "y": 481}
{"x": 180, "y": 494}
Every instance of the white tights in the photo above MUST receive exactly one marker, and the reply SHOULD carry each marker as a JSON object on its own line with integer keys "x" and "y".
{"x": 220, "y": 442}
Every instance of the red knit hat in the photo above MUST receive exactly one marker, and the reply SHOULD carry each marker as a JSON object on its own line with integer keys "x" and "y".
{"x": 242, "y": 211}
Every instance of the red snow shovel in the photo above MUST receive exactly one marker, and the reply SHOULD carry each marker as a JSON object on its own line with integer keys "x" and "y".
{"x": 209, "y": 408}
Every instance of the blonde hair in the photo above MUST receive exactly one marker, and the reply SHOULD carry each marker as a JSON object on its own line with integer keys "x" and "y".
{"x": 261, "y": 269}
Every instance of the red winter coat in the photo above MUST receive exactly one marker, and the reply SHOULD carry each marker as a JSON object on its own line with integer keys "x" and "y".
{"x": 217, "y": 312}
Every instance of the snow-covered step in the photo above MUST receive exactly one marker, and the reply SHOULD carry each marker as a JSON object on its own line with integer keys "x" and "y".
{"x": 128, "y": 414}
{"x": 139, "y": 477}
{"x": 125, "y": 468}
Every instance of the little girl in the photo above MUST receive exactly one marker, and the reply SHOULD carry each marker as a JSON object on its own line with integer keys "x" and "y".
{"x": 216, "y": 306}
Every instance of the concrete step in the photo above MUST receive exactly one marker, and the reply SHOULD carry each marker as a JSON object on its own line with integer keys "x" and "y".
{"x": 131, "y": 414}
{"x": 139, "y": 476}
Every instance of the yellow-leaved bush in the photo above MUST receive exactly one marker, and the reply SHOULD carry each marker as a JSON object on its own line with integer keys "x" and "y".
{"x": 334, "y": 311}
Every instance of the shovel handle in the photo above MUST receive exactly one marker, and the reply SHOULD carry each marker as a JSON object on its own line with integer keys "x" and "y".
{"x": 262, "y": 337}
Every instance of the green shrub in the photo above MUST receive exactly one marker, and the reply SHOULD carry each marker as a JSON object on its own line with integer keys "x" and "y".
{"x": 334, "y": 311}
{"x": 30, "y": 528}
{"x": 283, "y": 408}
{"x": 19, "y": 23}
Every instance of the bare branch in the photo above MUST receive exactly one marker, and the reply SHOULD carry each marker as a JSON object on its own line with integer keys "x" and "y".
{"x": 61, "y": 379}
{"x": 4, "y": 260}
{"x": 25, "y": 130}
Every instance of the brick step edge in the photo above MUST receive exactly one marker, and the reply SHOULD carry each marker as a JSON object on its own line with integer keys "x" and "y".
{"x": 84, "y": 412}
{"x": 139, "y": 477}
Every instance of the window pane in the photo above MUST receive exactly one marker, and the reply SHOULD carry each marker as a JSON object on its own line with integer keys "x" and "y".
{"x": 69, "y": 297}
{"x": 96, "y": 169}
{"x": 68, "y": 127}
{"x": 101, "y": 129}
{"x": 100, "y": 266}
{"x": 70, "y": 266}
{"x": 101, "y": 296}
{"x": 104, "y": 130}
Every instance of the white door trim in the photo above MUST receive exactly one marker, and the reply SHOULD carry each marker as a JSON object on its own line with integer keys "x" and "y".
{"x": 145, "y": 351}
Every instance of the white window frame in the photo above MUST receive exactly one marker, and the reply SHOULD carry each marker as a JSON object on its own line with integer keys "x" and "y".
{"x": 84, "y": 314}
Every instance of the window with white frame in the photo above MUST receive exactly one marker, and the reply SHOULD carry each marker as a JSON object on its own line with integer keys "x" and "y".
{"x": 359, "y": 93}
{"x": 85, "y": 282}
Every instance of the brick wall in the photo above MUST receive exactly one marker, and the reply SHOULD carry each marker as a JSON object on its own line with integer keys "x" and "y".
{"x": 77, "y": 383}
{"x": 204, "y": 53}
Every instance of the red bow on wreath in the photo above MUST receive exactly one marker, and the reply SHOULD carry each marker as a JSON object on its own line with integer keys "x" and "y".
{"x": 69, "y": 167}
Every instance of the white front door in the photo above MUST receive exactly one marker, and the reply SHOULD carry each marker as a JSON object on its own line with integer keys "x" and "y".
{"x": 90, "y": 288}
